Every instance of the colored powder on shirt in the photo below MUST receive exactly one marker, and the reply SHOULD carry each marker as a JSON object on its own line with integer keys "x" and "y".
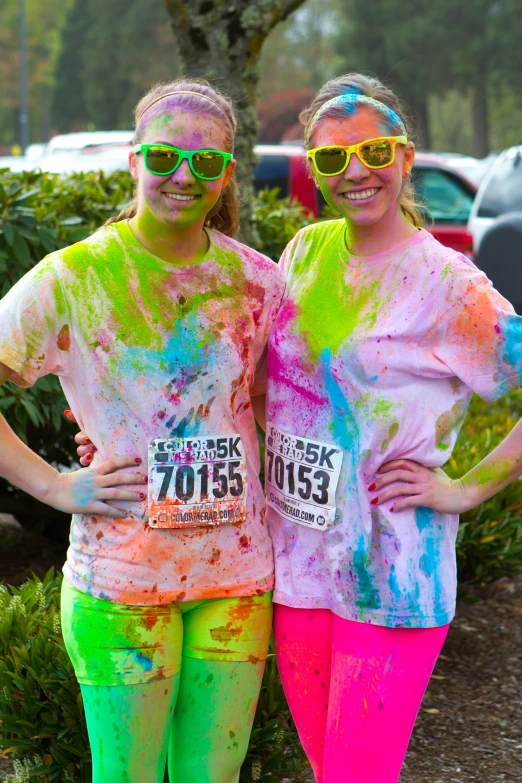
{"x": 379, "y": 356}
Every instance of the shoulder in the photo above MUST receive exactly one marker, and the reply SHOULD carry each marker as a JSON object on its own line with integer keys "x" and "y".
{"x": 256, "y": 266}
{"x": 452, "y": 275}
{"x": 314, "y": 241}
{"x": 101, "y": 241}
{"x": 322, "y": 233}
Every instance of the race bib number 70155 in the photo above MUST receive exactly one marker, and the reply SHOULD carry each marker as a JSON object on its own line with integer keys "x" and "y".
{"x": 197, "y": 481}
{"x": 301, "y": 478}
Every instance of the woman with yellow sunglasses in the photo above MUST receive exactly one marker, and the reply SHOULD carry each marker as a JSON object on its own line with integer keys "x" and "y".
{"x": 382, "y": 336}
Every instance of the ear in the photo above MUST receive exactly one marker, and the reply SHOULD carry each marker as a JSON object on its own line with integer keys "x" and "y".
{"x": 133, "y": 164}
{"x": 229, "y": 172}
{"x": 409, "y": 159}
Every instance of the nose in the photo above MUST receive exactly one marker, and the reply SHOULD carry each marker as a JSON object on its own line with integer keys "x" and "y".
{"x": 355, "y": 170}
{"x": 183, "y": 175}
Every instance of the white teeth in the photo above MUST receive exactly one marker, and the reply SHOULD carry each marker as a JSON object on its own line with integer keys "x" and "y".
{"x": 361, "y": 194}
{"x": 178, "y": 197}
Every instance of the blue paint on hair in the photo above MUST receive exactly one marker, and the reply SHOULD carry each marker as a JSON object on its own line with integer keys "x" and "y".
{"x": 351, "y": 101}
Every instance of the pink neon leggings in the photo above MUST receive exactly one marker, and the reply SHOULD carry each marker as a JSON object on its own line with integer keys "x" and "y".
{"x": 354, "y": 690}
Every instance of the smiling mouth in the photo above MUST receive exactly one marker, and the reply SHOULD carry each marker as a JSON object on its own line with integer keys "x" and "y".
{"x": 179, "y": 197}
{"x": 360, "y": 195}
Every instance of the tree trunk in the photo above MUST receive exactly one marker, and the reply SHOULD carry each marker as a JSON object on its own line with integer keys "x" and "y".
{"x": 423, "y": 125}
{"x": 480, "y": 120}
{"x": 222, "y": 42}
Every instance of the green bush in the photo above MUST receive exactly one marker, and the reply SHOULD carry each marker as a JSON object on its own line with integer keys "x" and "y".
{"x": 41, "y": 711}
{"x": 277, "y": 221}
{"x": 489, "y": 543}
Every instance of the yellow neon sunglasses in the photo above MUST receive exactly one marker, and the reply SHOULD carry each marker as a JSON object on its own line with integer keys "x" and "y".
{"x": 373, "y": 153}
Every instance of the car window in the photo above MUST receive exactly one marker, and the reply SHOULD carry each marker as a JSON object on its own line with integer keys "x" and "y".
{"x": 273, "y": 171}
{"x": 504, "y": 191}
{"x": 446, "y": 198}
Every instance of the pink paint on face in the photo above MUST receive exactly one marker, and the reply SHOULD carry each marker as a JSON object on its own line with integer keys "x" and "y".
{"x": 180, "y": 199}
{"x": 378, "y": 189}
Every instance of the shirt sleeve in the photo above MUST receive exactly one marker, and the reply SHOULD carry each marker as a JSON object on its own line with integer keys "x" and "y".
{"x": 478, "y": 340}
{"x": 267, "y": 308}
{"x": 34, "y": 326}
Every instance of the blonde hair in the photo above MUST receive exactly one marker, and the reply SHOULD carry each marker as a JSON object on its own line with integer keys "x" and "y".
{"x": 194, "y": 95}
{"x": 358, "y": 83}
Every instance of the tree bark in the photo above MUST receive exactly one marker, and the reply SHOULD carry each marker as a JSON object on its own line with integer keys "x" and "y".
{"x": 222, "y": 41}
{"x": 480, "y": 120}
{"x": 423, "y": 125}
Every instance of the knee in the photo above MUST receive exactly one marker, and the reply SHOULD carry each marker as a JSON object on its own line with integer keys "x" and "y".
{"x": 208, "y": 769}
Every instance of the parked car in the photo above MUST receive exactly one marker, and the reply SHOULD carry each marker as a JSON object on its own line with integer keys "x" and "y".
{"x": 499, "y": 193}
{"x": 65, "y": 143}
{"x": 448, "y": 199}
{"x": 447, "y": 194}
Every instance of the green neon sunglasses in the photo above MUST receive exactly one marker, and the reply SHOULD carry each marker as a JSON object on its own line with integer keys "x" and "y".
{"x": 162, "y": 160}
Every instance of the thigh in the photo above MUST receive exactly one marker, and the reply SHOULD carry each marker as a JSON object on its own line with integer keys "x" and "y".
{"x": 117, "y": 644}
{"x": 127, "y": 661}
{"x": 379, "y": 676}
{"x": 303, "y": 640}
{"x": 227, "y": 629}
{"x": 213, "y": 719}
{"x": 129, "y": 728}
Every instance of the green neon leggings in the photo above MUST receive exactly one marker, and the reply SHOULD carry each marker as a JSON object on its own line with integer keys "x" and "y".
{"x": 202, "y": 716}
{"x": 178, "y": 682}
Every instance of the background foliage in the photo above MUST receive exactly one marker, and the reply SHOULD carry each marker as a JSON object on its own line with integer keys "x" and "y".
{"x": 91, "y": 61}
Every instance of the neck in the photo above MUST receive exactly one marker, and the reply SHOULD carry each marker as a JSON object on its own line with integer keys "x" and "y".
{"x": 175, "y": 244}
{"x": 368, "y": 240}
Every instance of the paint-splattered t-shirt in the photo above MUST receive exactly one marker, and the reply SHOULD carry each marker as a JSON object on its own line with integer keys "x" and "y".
{"x": 379, "y": 355}
{"x": 145, "y": 349}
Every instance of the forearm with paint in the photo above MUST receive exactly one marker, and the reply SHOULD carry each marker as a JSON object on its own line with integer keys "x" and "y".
{"x": 502, "y": 466}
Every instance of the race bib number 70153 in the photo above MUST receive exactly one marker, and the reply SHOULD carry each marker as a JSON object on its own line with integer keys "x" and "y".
{"x": 197, "y": 481}
{"x": 301, "y": 478}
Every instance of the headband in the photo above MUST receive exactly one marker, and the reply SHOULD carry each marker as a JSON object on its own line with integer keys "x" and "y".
{"x": 182, "y": 92}
{"x": 351, "y": 97}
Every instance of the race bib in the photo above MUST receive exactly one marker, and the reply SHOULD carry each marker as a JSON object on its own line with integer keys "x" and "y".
{"x": 196, "y": 482}
{"x": 301, "y": 478}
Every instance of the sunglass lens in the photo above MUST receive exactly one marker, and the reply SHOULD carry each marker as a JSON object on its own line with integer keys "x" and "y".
{"x": 162, "y": 160}
{"x": 378, "y": 153}
{"x": 330, "y": 160}
{"x": 208, "y": 165}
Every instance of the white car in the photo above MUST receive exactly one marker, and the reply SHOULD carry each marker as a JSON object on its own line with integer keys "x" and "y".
{"x": 500, "y": 192}
{"x": 67, "y": 143}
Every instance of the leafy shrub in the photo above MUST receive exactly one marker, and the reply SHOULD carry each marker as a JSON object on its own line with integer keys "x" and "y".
{"x": 489, "y": 543}
{"x": 277, "y": 221}
{"x": 41, "y": 711}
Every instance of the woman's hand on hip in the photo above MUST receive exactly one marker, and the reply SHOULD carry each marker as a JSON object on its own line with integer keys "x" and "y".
{"x": 86, "y": 447}
{"x": 92, "y": 490}
{"x": 416, "y": 485}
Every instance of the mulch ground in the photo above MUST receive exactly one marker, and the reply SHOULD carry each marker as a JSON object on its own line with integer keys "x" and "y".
{"x": 469, "y": 728}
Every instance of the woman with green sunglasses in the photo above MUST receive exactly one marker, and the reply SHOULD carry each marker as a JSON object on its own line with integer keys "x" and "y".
{"x": 157, "y": 325}
{"x": 382, "y": 336}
